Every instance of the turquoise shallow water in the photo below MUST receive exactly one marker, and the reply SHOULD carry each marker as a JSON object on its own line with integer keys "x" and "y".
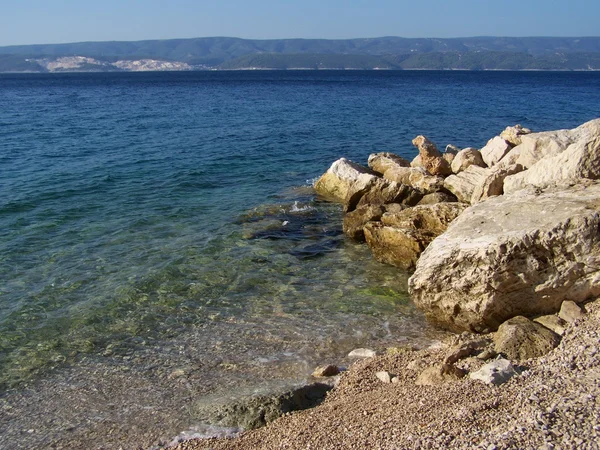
{"x": 141, "y": 209}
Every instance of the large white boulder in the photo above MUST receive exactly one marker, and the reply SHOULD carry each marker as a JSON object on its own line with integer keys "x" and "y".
{"x": 557, "y": 157}
{"x": 520, "y": 254}
{"x": 344, "y": 178}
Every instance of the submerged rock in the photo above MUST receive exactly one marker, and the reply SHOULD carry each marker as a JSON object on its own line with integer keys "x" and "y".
{"x": 521, "y": 254}
{"x": 362, "y": 353}
{"x": 355, "y": 221}
{"x": 256, "y": 411}
{"x": 400, "y": 238}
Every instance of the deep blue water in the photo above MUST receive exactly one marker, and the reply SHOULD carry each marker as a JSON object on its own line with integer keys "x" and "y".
{"x": 142, "y": 206}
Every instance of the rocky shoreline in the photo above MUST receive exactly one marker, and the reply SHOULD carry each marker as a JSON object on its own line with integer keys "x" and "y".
{"x": 505, "y": 247}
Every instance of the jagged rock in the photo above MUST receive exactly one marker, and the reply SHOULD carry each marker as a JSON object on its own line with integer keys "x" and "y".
{"x": 431, "y": 158}
{"x": 464, "y": 183}
{"x": 465, "y": 158}
{"x": 381, "y": 162}
{"x": 416, "y": 162}
{"x": 384, "y": 376}
{"x": 476, "y": 184}
{"x": 521, "y": 254}
{"x": 494, "y": 183}
{"x": 466, "y": 349}
{"x": 558, "y": 158}
{"x": 520, "y": 338}
{"x": 326, "y": 371}
{"x": 437, "y": 197}
{"x": 513, "y": 134}
{"x": 362, "y": 353}
{"x": 415, "y": 177}
{"x": 452, "y": 149}
{"x": 570, "y": 311}
{"x": 355, "y": 221}
{"x": 552, "y": 322}
{"x": 439, "y": 374}
{"x": 383, "y": 192}
{"x": 343, "y": 179}
{"x": 496, "y": 372}
{"x": 495, "y": 150}
{"x": 399, "y": 239}
{"x": 449, "y": 157}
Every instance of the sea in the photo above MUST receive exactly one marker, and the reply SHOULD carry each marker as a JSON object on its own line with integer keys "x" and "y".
{"x": 162, "y": 247}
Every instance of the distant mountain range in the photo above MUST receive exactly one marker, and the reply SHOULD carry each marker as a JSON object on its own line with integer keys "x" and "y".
{"x": 475, "y": 53}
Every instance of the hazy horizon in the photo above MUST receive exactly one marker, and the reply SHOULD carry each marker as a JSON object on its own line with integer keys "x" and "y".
{"x": 35, "y": 22}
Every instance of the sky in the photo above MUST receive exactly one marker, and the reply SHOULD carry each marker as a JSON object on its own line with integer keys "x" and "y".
{"x": 57, "y": 21}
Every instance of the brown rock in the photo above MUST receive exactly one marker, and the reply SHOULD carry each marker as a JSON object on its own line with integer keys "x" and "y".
{"x": 400, "y": 238}
{"x": 513, "y": 134}
{"x": 465, "y": 158}
{"x": 383, "y": 192}
{"x": 437, "y": 197}
{"x": 493, "y": 184}
{"x": 381, "y": 162}
{"x": 519, "y": 338}
{"x": 570, "y": 311}
{"x": 416, "y": 177}
{"x": 342, "y": 179}
{"x": 439, "y": 374}
{"x": 552, "y": 322}
{"x": 466, "y": 349}
{"x": 326, "y": 371}
{"x": 431, "y": 158}
{"x": 355, "y": 221}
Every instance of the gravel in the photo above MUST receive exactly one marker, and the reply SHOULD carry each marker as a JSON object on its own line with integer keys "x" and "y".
{"x": 554, "y": 403}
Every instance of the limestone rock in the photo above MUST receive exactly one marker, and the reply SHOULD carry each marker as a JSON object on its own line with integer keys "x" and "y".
{"x": 464, "y": 183}
{"x": 519, "y": 338}
{"x": 520, "y": 254}
{"x": 384, "y": 376}
{"x": 400, "y": 238}
{"x": 513, "y": 134}
{"x": 570, "y": 311}
{"x": 431, "y": 158}
{"x": 495, "y": 150}
{"x": 496, "y": 372}
{"x": 415, "y": 177}
{"x": 437, "y": 197}
{"x": 342, "y": 179}
{"x": 381, "y": 162}
{"x": 416, "y": 162}
{"x": 439, "y": 374}
{"x": 449, "y": 157}
{"x": 355, "y": 221}
{"x": 466, "y": 349}
{"x": 326, "y": 371}
{"x": 558, "y": 158}
{"x": 362, "y": 353}
{"x": 465, "y": 158}
{"x": 493, "y": 184}
{"x": 382, "y": 192}
{"x": 552, "y": 322}
{"x": 452, "y": 149}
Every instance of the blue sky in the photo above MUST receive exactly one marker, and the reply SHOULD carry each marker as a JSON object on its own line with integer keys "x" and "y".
{"x": 53, "y": 21}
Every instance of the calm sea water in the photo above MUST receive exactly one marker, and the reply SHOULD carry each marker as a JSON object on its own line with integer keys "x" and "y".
{"x": 142, "y": 215}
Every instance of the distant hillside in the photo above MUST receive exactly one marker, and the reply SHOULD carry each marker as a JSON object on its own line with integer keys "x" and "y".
{"x": 386, "y": 52}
